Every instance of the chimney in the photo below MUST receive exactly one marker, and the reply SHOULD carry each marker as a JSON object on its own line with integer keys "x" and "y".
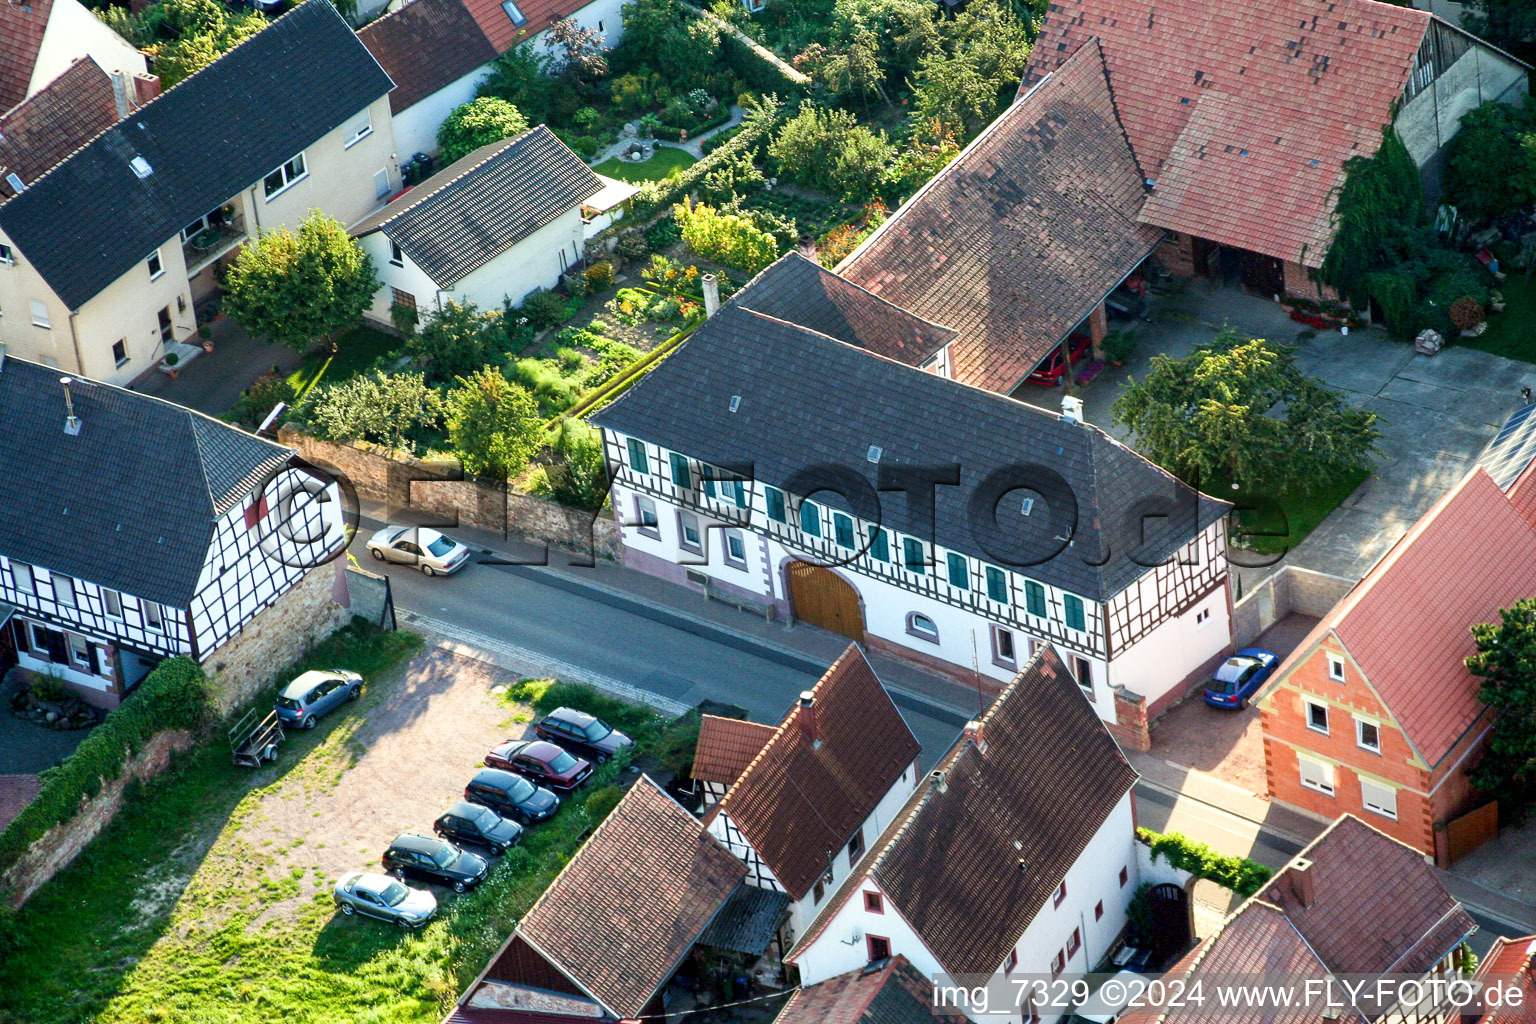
{"x": 1301, "y": 876}
{"x": 939, "y": 783}
{"x": 71, "y": 421}
{"x": 711, "y": 295}
{"x": 974, "y": 733}
{"x": 120, "y": 93}
{"x": 1072, "y": 409}
{"x": 807, "y": 719}
{"x": 145, "y": 88}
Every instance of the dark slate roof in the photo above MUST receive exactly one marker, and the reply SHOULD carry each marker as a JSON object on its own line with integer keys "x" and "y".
{"x": 808, "y": 400}
{"x": 425, "y": 46}
{"x": 130, "y": 502}
{"x": 55, "y": 121}
{"x": 89, "y": 220}
{"x": 748, "y": 921}
{"x": 802, "y": 292}
{"x": 1507, "y": 455}
{"x": 483, "y": 204}
{"x": 1023, "y": 234}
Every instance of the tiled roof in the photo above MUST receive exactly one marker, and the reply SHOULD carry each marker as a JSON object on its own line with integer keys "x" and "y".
{"x": 895, "y": 993}
{"x": 1227, "y": 105}
{"x": 790, "y": 418}
{"x": 1470, "y": 555}
{"x": 1508, "y": 962}
{"x": 748, "y": 921}
{"x": 504, "y": 34}
{"x": 800, "y": 799}
{"x": 1050, "y": 776}
{"x": 22, "y": 27}
{"x": 1378, "y": 905}
{"x": 1017, "y": 240}
{"x": 16, "y": 791}
{"x": 628, "y": 906}
{"x": 55, "y": 121}
{"x": 726, "y": 746}
{"x": 425, "y": 46}
{"x": 92, "y": 218}
{"x": 483, "y": 204}
{"x": 130, "y": 502}
{"x": 801, "y": 291}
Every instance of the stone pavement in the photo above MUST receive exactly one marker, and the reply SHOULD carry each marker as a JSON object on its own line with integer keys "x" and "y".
{"x": 212, "y": 382}
{"x": 27, "y": 748}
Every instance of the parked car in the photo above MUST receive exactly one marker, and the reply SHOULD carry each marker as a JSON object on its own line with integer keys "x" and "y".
{"x": 434, "y": 860}
{"x": 314, "y": 693}
{"x": 511, "y": 796}
{"x": 540, "y": 761}
{"x": 1106, "y": 1003}
{"x": 426, "y": 549}
{"x": 579, "y": 731}
{"x": 1239, "y": 677}
{"x": 474, "y": 823}
{"x": 1053, "y": 366}
{"x": 385, "y": 898}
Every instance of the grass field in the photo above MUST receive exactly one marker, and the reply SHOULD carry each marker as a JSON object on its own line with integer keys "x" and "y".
{"x": 1279, "y": 521}
{"x": 664, "y": 162}
{"x": 1511, "y": 333}
{"x": 355, "y": 352}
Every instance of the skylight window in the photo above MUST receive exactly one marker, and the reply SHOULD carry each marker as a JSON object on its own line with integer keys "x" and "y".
{"x": 874, "y": 453}
{"x": 141, "y": 167}
{"x": 514, "y": 12}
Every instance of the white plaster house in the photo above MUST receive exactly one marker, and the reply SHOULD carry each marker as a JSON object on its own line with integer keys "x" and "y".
{"x": 103, "y": 256}
{"x": 493, "y": 226}
{"x": 774, "y": 461}
{"x": 132, "y": 530}
{"x": 1015, "y": 855}
{"x": 41, "y": 39}
{"x": 829, "y": 780}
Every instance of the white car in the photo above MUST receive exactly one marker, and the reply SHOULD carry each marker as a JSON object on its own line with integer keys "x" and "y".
{"x": 426, "y": 549}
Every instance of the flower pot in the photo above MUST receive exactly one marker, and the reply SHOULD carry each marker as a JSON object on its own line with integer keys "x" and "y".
{"x": 207, "y": 346}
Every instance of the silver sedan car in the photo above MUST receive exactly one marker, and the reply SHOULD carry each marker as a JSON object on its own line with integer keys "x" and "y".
{"x": 384, "y": 898}
{"x": 426, "y": 549}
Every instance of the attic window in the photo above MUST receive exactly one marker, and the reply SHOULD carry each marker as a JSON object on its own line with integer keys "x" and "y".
{"x": 141, "y": 167}
{"x": 14, "y": 180}
{"x": 874, "y": 453}
{"x": 514, "y": 12}
{"x": 1028, "y": 506}
{"x": 1184, "y": 99}
{"x": 1311, "y": 163}
{"x": 735, "y": 402}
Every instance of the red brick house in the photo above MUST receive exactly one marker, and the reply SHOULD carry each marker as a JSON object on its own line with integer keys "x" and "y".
{"x": 1375, "y": 713}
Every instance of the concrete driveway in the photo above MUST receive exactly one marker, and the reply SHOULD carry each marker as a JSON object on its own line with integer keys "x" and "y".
{"x": 1437, "y": 412}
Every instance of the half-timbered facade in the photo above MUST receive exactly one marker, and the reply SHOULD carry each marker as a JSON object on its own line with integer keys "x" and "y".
{"x": 132, "y": 529}
{"x": 954, "y": 527}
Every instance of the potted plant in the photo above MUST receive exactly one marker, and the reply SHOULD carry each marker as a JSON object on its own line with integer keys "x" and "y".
{"x": 171, "y": 359}
{"x": 1467, "y": 316}
{"x": 207, "y": 335}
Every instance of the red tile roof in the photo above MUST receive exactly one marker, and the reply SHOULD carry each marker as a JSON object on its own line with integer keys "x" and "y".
{"x": 1016, "y": 241}
{"x": 503, "y": 34}
{"x": 726, "y": 746}
{"x": 800, "y": 800}
{"x": 627, "y": 908}
{"x": 1470, "y": 555}
{"x": 16, "y": 791}
{"x": 894, "y": 994}
{"x": 1509, "y": 963}
{"x": 425, "y": 46}
{"x": 1288, "y": 81}
{"x": 22, "y": 26}
{"x": 58, "y": 119}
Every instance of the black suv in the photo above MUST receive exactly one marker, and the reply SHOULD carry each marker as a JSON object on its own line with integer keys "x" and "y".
{"x": 579, "y": 731}
{"x": 472, "y": 823}
{"x": 434, "y": 861}
{"x": 511, "y": 796}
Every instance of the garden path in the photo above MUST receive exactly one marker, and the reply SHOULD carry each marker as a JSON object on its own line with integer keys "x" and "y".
{"x": 693, "y": 146}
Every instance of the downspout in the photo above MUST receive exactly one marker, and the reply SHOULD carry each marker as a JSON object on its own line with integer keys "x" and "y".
{"x": 74, "y": 338}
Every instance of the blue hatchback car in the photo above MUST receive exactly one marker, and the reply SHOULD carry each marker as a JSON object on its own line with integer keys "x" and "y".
{"x": 312, "y": 694}
{"x": 1239, "y": 677}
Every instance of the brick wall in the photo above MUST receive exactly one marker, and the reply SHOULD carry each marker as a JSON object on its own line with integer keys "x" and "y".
{"x": 61, "y": 844}
{"x": 1299, "y": 283}
{"x": 1177, "y": 254}
{"x": 1131, "y": 725}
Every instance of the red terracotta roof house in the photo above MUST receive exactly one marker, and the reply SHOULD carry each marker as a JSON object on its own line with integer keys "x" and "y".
{"x": 425, "y": 46}
{"x": 39, "y": 40}
{"x": 893, "y": 992}
{"x": 726, "y": 746}
{"x": 48, "y": 126}
{"x": 614, "y": 925}
{"x": 1023, "y": 235}
{"x": 16, "y": 791}
{"x": 1358, "y": 718}
{"x": 1508, "y": 965}
{"x": 21, "y": 37}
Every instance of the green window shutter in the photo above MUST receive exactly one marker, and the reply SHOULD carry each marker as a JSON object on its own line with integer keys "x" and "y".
{"x": 959, "y": 571}
{"x": 912, "y": 554}
{"x": 1075, "y": 619}
{"x": 774, "y": 498}
{"x": 810, "y": 518}
{"x": 740, "y": 490}
{"x": 1034, "y": 598}
{"x": 637, "y": 459}
{"x": 842, "y": 529}
{"x": 708, "y": 476}
{"x": 879, "y": 547}
{"x": 681, "y": 476}
{"x": 997, "y": 584}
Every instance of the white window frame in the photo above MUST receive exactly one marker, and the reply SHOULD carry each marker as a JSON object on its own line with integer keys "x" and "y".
{"x": 929, "y": 633}
{"x": 67, "y": 587}
{"x": 79, "y": 652}
{"x": 112, "y": 603}
{"x": 126, "y": 358}
{"x": 154, "y": 616}
{"x": 1360, "y": 724}
{"x": 1335, "y": 667}
{"x": 1307, "y": 706}
{"x": 7, "y": 256}
{"x": 1323, "y": 780}
{"x": 40, "y": 317}
{"x": 645, "y": 509}
{"x": 688, "y": 522}
{"x": 1379, "y": 803}
{"x": 738, "y": 539}
{"x": 396, "y": 254}
{"x": 514, "y": 13}
{"x": 1202, "y": 618}
{"x": 290, "y": 178}
{"x": 156, "y": 265}
{"x": 22, "y": 577}
{"x": 362, "y": 133}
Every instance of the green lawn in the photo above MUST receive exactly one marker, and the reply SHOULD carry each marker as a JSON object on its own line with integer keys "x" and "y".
{"x": 664, "y": 162}
{"x": 356, "y": 351}
{"x": 1511, "y": 333}
{"x": 1286, "y": 517}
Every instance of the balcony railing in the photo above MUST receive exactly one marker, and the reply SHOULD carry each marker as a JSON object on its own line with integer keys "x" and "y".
{"x": 212, "y": 242}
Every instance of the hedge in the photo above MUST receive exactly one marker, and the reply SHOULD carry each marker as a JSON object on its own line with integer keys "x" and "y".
{"x": 658, "y": 195}
{"x": 173, "y": 696}
{"x": 1243, "y": 876}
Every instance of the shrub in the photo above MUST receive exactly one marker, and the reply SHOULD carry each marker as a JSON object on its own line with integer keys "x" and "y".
{"x": 479, "y": 122}
{"x": 577, "y": 475}
{"x": 630, "y": 93}
{"x": 454, "y": 340}
{"x": 632, "y": 245}
{"x": 544, "y": 695}
{"x": 600, "y": 801}
{"x": 261, "y": 398}
{"x": 758, "y": 124}
{"x": 719, "y": 139}
{"x": 829, "y": 148}
{"x": 403, "y": 317}
{"x": 728, "y": 238}
{"x": 1466, "y": 313}
{"x": 836, "y": 245}
{"x": 663, "y": 233}
{"x": 544, "y": 309}
{"x": 1243, "y": 876}
{"x": 492, "y": 423}
{"x": 556, "y": 392}
{"x": 1138, "y": 916}
{"x": 1118, "y": 345}
{"x": 599, "y": 276}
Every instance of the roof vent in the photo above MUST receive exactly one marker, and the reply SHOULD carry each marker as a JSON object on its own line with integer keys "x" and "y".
{"x": 874, "y": 453}
{"x": 937, "y": 778}
{"x": 141, "y": 167}
{"x": 735, "y": 402}
{"x": 1072, "y": 409}
{"x": 71, "y": 421}
{"x": 14, "y": 180}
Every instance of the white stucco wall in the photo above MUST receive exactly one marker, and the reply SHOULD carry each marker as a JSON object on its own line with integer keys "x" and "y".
{"x": 416, "y": 126}
{"x": 74, "y": 32}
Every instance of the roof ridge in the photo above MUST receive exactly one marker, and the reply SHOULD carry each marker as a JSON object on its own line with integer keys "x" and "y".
{"x": 499, "y": 148}
{"x": 821, "y": 270}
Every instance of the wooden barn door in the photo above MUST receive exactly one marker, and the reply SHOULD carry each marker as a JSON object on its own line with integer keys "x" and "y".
{"x": 824, "y": 599}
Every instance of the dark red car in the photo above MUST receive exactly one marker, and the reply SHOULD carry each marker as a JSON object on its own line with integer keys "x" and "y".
{"x": 1054, "y": 365}
{"x": 540, "y": 761}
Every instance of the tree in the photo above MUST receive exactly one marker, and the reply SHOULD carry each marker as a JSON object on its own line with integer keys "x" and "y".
{"x": 197, "y": 33}
{"x": 493, "y": 424}
{"x": 453, "y": 341}
{"x": 1491, "y": 170}
{"x": 818, "y": 148}
{"x": 582, "y": 56}
{"x": 965, "y": 82}
{"x": 378, "y": 408}
{"x": 577, "y": 476}
{"x": 730, "y": 238}
{"x": 297, "y": 288}
{"x": 1208, "y": 417}
{"x": 684, "y": 50}
{"x": 523, "y": 76}
{"x": 480, "y": 122}
{"x": 1506, "y": 663}
{"x": 1510, "y": 24}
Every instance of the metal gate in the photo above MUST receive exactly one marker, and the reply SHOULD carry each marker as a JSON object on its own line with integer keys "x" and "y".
{"x": 822, "y": 598}
{"x": 1172, "y": 923}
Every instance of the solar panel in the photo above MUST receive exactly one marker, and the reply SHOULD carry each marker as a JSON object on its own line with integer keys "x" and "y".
{"x": 1508, "y": 454}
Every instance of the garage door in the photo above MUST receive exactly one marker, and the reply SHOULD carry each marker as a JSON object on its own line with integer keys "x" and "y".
{"x": 824, "y": 599}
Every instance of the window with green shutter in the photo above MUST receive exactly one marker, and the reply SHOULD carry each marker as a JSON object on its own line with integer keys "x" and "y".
{"x": 637, "y": 460}
{"x": 842, "y": 530}
{"x": 1034, "y": 598}
{"x": 810, "y": 518}
{"x": 681, "y": 476}
{"x": 912, "y": 554}
{"x": 879, "y": 547}
{"x": 959, "y": 571}
{"x": 997, "y": 584}
{"x": 774, "y": 498}
{"x": 739, "y": 492}
{"x": 1075, "y": 618}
